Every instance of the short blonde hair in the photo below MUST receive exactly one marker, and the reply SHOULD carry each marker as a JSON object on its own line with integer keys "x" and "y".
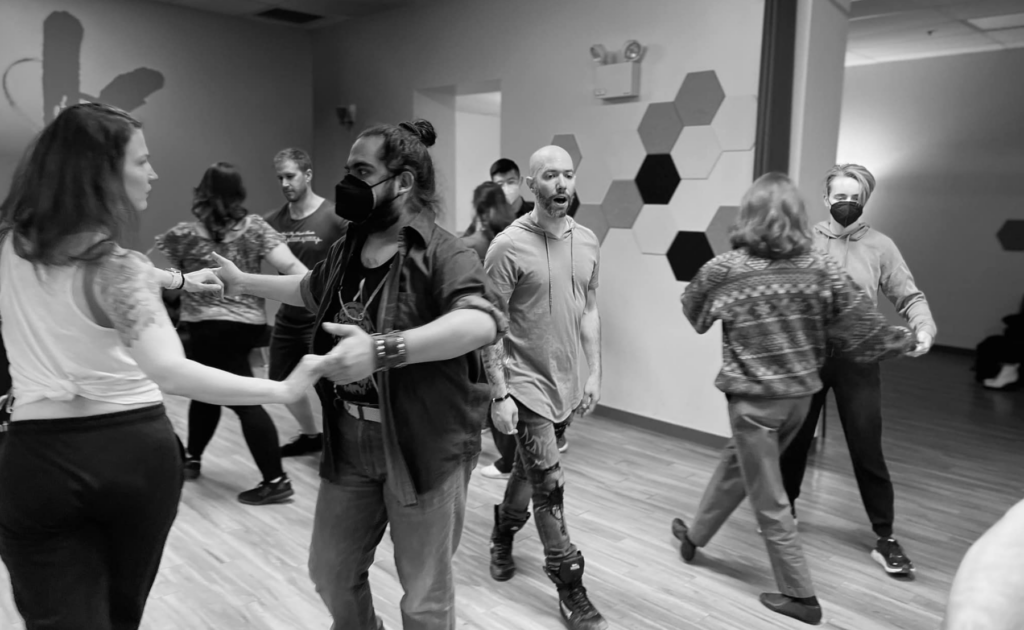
{"x": 856, "y": 172}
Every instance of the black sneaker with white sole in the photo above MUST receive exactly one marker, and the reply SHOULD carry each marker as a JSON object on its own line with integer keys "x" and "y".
{"x": 303, "y": 445}
{"x": 268, "y": 492}
{"x": 890, "y": 555}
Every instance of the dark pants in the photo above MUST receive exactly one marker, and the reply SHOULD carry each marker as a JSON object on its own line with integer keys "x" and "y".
{"x": 289, "y": 342}
{"x": 226, "y": 346}
{"x": 349, "y": 523}
{"x": 537, "y": 475}
{"x": 85, "y": 508}
{"x": 506, "y": 443}
{"x": 749, "y": 467}
{"x": 858, "y": 392}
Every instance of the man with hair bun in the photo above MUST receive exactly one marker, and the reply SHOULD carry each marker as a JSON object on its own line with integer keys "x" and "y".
{"x": 402, "y": 306}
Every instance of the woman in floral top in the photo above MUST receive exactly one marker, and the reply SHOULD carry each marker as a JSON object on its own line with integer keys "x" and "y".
{"x": 224, "y": 329}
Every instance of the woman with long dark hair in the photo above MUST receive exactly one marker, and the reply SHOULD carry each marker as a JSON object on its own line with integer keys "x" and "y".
{"x": 224, "y": 329}
{"x": 780, "y": 302}
{"x": 90, "y": 467}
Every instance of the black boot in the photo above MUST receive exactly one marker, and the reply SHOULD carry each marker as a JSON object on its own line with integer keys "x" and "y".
{"x": 573, "y": 603}
{"x": 503, "y": 567}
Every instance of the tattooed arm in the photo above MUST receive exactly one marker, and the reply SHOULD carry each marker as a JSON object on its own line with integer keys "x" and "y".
{"x": 127, "y": 295}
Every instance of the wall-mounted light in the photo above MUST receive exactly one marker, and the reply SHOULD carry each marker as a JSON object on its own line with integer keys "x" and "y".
{"x": 346, "y": 116}
{"x": 632, "y": 51}
{"x": 617, "y": 76}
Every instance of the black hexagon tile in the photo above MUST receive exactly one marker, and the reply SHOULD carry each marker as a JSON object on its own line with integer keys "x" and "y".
{"x": 1011, "y": 235}
{"x": 688, "y": 253}
{"x": 657, "y": 179}
{"x": 718, "y": 230}
{"x": 699, "y": 98}
{"x": 592, "y": 216}
{"x": 568, "y": 142}
{"x": 660, "y": 127}
{"x": 622, "y": 204}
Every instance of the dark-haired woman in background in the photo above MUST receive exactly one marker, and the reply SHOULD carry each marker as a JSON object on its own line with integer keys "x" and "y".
{"x": 773, "y": 344}
{"x": 223, "y": 330}
{"x": 90, "y": 468}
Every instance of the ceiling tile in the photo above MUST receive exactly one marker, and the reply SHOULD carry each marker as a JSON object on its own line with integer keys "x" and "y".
{"x": 1010, "y": 36}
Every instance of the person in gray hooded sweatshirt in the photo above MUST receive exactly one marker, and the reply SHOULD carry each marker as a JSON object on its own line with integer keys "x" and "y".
{"x": 545, "y": 267}
{"x": 875, "y": 263}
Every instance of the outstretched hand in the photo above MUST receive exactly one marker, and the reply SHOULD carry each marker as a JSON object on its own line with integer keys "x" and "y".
{"x": 924, "y": 344}
{"x": 203, "y": 281}
{"x": 353, "y": 358}
{"x": 305, "y": 375}
{"x": 229, "y": 274}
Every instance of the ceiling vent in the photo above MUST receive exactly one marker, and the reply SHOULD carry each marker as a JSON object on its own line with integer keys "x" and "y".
{"x": 289, "y": 16}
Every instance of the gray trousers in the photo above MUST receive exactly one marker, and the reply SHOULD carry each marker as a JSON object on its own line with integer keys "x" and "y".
{"x": 761, "y": 429}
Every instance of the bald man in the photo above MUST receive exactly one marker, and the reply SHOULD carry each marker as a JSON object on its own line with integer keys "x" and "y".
{"x": 986, "y": 592}
{"x": 545, "y": 268}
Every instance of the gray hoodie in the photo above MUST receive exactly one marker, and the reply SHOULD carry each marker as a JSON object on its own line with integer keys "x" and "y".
{"x": 875, "y": 263}
{"x": 545, "y": 281}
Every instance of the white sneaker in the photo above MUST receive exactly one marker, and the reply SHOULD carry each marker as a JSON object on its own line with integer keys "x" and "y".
{"x": 1008, "y": 375}
{"x": 492, "y": 472}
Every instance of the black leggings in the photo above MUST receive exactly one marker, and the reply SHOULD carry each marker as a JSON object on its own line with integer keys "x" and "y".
{"x": 226, "y": 346}
{"x": 85, "y": 508}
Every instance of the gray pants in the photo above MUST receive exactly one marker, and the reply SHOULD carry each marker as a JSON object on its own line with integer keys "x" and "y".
{"x": 349, "y": 522}
{"x": 761, "y": 429}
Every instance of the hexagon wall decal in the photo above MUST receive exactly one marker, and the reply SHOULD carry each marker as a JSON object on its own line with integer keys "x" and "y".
{"x": 568, "y": 142}
{"x": 1011, "y": 235}
{"x": 688, "y": 253}
{"x": 718, "y": 230}
{"x": 622, "y": 204}
{"x": 657, "y": 179}
{"x": 696, "y": 152}
{"x": 735, "y": 123}
{"x": 654, "y": 230}
{"x": 660, "y": 127}
{"x": 699, "y": 98}
{"x": 591, "y": 216}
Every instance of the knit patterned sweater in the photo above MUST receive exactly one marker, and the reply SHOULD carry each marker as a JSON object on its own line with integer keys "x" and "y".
{"x": 779, "y": 318}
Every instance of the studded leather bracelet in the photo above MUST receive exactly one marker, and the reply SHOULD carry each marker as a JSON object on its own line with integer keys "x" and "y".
{"x": 389, "y": 351}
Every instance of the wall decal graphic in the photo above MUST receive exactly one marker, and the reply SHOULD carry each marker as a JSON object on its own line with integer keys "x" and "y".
{"x": 63, "y": 35}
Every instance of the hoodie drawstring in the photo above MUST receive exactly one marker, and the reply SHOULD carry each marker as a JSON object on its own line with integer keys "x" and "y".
{"x": 547, "y": 252}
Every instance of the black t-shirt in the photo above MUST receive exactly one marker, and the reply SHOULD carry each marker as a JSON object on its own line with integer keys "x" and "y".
{"x": 358, "y": 304}
{"x": 309, "y": 238}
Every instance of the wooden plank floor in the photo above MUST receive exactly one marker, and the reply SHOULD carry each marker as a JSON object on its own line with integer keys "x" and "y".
{"x": 953, "y": 448}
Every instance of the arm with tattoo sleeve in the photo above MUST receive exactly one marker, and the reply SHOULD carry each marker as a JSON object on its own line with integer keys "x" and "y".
{"x": 128, "y": 295}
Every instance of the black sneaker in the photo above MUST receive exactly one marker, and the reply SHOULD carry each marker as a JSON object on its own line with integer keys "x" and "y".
{"x": 779, "y": 603}
{"x": 192, "y": 467}
{"x": 268, "y": 492}
{"x": 303, "y": 445}
{"x": 889, "y": 554}
{"x": 563, "y": 444}
{"x": 577, "y": 610}
{"x": 687, "y": 549}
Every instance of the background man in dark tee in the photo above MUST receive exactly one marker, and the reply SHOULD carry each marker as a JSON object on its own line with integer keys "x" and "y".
{"x": 310, "y": 226}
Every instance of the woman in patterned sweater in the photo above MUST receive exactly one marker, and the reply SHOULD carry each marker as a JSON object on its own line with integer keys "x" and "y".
{"x": 780, "y": 303}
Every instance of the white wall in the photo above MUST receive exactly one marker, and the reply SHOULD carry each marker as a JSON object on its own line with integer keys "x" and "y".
{"x": 945, "y": 140}
{"x": 477, "y": 146}
{"x": 654, "y": 364}
{"x": 233, "y": 90}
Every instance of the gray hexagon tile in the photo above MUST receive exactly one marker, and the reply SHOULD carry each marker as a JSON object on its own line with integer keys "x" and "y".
{"x": 1011, "y": 235}
{"x": 622, "y": 204}
{"x": 735, "y": 123}
{"x": 699, "y": 98}
{"x": 654, "y": 229}
{"x": 660, "y": 127}
{"x": 696, "y": 152}
{"x": 590, "y": 215}
{"x": 718, "y": 230}
{"x": 568, "y": 142}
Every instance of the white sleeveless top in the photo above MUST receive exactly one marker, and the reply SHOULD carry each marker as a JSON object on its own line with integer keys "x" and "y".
{"x": 56, "y": 352}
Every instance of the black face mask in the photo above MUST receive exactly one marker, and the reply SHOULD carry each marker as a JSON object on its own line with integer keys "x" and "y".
{"x": 354, "y": 199}
{"x": 846, "y": 213}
